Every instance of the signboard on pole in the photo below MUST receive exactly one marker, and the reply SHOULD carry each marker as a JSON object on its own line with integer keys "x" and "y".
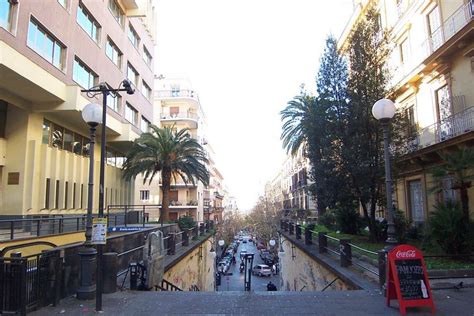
{"x": 407, "y": 280}
{"x": 99, "y": 231}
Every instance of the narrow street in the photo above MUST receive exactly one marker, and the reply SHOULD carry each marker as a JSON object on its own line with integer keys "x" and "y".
{"x": 234, "y": 281}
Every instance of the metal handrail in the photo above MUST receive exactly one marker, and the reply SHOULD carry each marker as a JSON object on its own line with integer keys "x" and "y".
{"x": 129, "y": 251}
{"x": 333, "y": 238}
{"x": 363, "y": 250}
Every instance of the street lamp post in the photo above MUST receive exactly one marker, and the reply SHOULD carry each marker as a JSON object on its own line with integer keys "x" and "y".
{"x": 384, "y": 110}
{"x": 92, "y": 116}
{"x": 105, "y": 90}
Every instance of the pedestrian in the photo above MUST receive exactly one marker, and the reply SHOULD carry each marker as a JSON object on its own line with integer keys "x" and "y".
{"x": 271, "y": 286}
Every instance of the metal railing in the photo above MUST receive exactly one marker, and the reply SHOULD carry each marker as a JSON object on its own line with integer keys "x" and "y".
{"x": 177, "y": 93}
{"x": 41, "y": 226}
{"x": 457, "y": 124}
{"x": 453, "y": 24}
{"x": 177, "y": 116}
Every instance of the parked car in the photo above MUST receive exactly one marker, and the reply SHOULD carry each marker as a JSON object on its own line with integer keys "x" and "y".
{"x": 242, "y": 254}
{"x": 262, "y": 270}
{"x": 264, "y": 253}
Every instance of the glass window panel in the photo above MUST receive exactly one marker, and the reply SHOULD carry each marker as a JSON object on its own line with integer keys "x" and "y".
{"x": 68, "y": 139}
{"x": 57, "y": 137}
{"x": 110, "y": 157}
{"x": 46, "y": 130}
{"x": 32, "y": 29}
{"x": 77, "y": 144}
{"x": 5, "y": 12}
{"x": 48, "y": 49}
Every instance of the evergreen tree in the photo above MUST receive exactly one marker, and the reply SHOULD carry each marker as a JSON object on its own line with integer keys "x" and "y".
{"x": 362, "y": 150}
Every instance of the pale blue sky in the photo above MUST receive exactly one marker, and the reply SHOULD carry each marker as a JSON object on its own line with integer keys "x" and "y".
{"x": 246, "y": 59}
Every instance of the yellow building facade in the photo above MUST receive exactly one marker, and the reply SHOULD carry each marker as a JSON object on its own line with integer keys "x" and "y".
{"x": 432, "y": 64}
{"x": 48, "y": 53}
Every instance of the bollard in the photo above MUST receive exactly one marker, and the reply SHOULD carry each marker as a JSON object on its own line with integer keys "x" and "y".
{"x": 195, "y": 232}
{"x": 382, "y": 257}
{"x": 109, "y": 272}
{"x": 201, "y": 229}
{"x": 308, "y": 234}
{"x": 282, "y": 224}
{"x": 298, "y": 231}
{"x": 345, "y": 252}
{"x": 292, "y": 228}
{"x": 133, "y": 267}
{"x": 185, "y": 238}
{"x": 172, "y": 244}
{"x": 323, "y": 242}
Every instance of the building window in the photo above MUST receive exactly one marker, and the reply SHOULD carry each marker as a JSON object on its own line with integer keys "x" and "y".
{"x": 114, "y": 102}
{"x": 62, "y": 138}
{"x": 88, "y": 23}
{"x": 7, "y": 9}
{"x": 114, "y": 54}
{"x": 417, "y": 208}
{"x": 110, "y": 157}
{"x": 131, "y": 114}
{"x": 56, "y": 199}
{"x": 82, "y": 196}
{"x": 411, "y": 121}
{"x": 146, "y": 90}
{"x": 404, "y": 49}
{"x": 74, "y": 195}
{"x": 83, "y": 75}
{"x": 144, "y": 125}
{"x": 45, "y": 44}
{"x": 63, "y": 3}
{"x": 435, "y": 31}
{"x": 132, "y": 74}
{"x": 47, "y": 192}
{"x": 66, "y": 197}
{"x": 147, "y": 56}
{"x": 116, "y": 11}
{"x": 144, "y": 195}
{"x": 133, "y": 36}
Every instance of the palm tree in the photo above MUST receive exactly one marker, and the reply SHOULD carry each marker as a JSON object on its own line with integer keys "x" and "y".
{"x": 296, "y": 118}
{"x": 174, "y": 154}
{"x": 460, "y": 166}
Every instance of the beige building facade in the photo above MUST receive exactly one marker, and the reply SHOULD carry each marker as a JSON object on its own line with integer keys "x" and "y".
{"x": 433, "y": 74}
{"x": 49, "y": 51}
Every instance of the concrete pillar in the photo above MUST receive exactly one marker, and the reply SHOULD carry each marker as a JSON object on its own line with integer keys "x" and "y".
{"x": 109, "y": 271}
{"x": 345, "y": 252}
{"x": 323, "y": 242}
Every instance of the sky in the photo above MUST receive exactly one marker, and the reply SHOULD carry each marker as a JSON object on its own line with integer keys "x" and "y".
{"x": 246, "y": 59}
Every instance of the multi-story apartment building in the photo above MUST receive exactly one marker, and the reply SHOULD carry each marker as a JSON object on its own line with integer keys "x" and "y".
{"x": 49, "y": 51}
{"x": 179, "y": 106}
{"x": 290, "y": 188}
{"x": 214, "y": 193}
{"x": 433, "y": 74}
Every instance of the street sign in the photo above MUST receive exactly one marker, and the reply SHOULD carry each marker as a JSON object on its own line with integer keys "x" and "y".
{"x": 117, "y": 229}
{"x": 99, "y": 231}
{"x": 407, "y": 279}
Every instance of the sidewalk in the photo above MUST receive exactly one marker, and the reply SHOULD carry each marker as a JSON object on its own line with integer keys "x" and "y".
{"x": 447, "y": 302}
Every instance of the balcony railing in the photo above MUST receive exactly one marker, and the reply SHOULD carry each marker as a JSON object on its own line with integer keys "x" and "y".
{"x": 455, "y": 125}
{"x": 453, "y": 24}
{"x": 178, "y": 116}
{"x": 177, "y": 94}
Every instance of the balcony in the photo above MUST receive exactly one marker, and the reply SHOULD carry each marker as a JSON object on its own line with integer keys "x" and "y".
{"x": 171, "y": 94}
{"x": 451, "y": 26}
{"x": 453, "y": 126}
{"x": 190, "y": 118}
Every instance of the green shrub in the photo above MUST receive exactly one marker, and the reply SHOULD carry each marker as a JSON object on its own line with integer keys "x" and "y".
{"x": 448, "y": 229}
{"x": 348, "y": 221}
{"x": 186, "y": 222}
{"x": 328, "y": 219}
{"x": 401, "y": 227}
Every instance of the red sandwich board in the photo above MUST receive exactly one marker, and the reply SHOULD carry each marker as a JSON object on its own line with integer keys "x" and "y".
{"x": 407, "y": 279}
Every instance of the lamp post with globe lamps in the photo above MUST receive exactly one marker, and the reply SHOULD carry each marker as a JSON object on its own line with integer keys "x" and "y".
{"x": 383, "y": 110}
{"x": 104, "y": 89}
{"x": 92, "y": 115}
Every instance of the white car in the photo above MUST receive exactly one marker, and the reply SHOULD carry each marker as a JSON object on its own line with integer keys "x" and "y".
{"x": 262, "y": 270}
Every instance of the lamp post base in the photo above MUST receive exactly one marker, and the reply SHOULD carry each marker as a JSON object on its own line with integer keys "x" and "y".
{"x": 87, "y": 287}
